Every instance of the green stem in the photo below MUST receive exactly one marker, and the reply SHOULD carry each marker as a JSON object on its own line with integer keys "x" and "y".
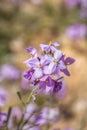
{"x": 21, "y": 123}
{"x": 29, "y": 98}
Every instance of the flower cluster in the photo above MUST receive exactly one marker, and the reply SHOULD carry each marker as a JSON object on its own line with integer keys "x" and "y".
{"x": 45, "y": 70}
{"x": 44, "y": 75}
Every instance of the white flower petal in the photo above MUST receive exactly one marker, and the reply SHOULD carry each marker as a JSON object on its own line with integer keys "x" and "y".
{"x": 38, "y": 73}
{"x": 62, "y": 65}
{"x": 50, "y": 68}
{"x": 57, "y": 54}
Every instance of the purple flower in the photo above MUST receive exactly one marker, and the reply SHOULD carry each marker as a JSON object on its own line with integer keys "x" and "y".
{"x": 66, "y": 62}
{"x": 9, "y": 72}
{"x": 62, "y": 92}
{"x": 57, "y": 87}
{"x": 3, "y": 118}
{"x": 69, "y": 61}
{"x": 31, "y": 108}
{"x": 38, "y": 65}
{"x": 16, "y": 115}
{"x": 54, "y": 62}
{"x": 72, "y": 3}
{"x": 25, "y": 84}
{"x": 46, "y": 84}
{"x": 50, "y": 47}
{"x": 36, "y": 2}
{"x": 29, "y": 74}
{"x": 32, "y": 51}
{"x": 83, "y": 3}
{"x": 83, "y": 12}
{"x": 3, "y": 96}
{"x": 45, "y": 69}
{"x": 47, "y": 115}
{"x": 77, "y": 31}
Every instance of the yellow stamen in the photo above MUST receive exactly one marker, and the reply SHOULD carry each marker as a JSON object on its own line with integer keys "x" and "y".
{"x": 31, "y": 55}
{"x": 37, "y": 79}
{"x": 50, "y": 43}
{"x": 55, "y": 60}
{"x": 40, "y": 66}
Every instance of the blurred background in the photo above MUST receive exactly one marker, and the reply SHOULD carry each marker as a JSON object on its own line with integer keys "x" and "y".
{"x": 26, "y": 23}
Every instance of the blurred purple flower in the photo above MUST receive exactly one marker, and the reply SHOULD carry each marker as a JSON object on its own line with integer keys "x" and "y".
{"x": 3, "y": 118}
{"x": 9, "y": 72}
{"x": 36, "y": 2}
{"x": 77, "y": 31}
{"x": 30, "y": 109}
{"x": 48, "y": 115}
{"x": 83, "y": 3}
{"x": 16, "y": 115}
{"x": 83, "y": 10}
{"x": 3, "y": 96}
{"x": 72, "y": 3}
{"x": 25, "y": 83}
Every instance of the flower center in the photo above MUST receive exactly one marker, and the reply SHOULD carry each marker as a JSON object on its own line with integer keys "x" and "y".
{"x": 55, "y": 60}
{"x": 46, "y": 81}
{"x": 50, "y": 43}
{"x": 32, "y": 55}
{"x": 40, "y": 66}
{"x": 37, "y": 79}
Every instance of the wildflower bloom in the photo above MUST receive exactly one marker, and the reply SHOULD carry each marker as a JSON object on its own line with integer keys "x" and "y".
{"x": 48, "y": 115}
{"x": 46, "y": 69}
{"x": 15, "y": 117}
{"x": 32, "y": 51}
{"x": 3, "y": 96}
{"x": 3, "y": 118}
{"x": 9, "y": 72}
{"x": 77, "y": 31}
{"x": 50, "y": 47}
{"x": 72, "y": 3}
{"x": 30, "y": 109}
